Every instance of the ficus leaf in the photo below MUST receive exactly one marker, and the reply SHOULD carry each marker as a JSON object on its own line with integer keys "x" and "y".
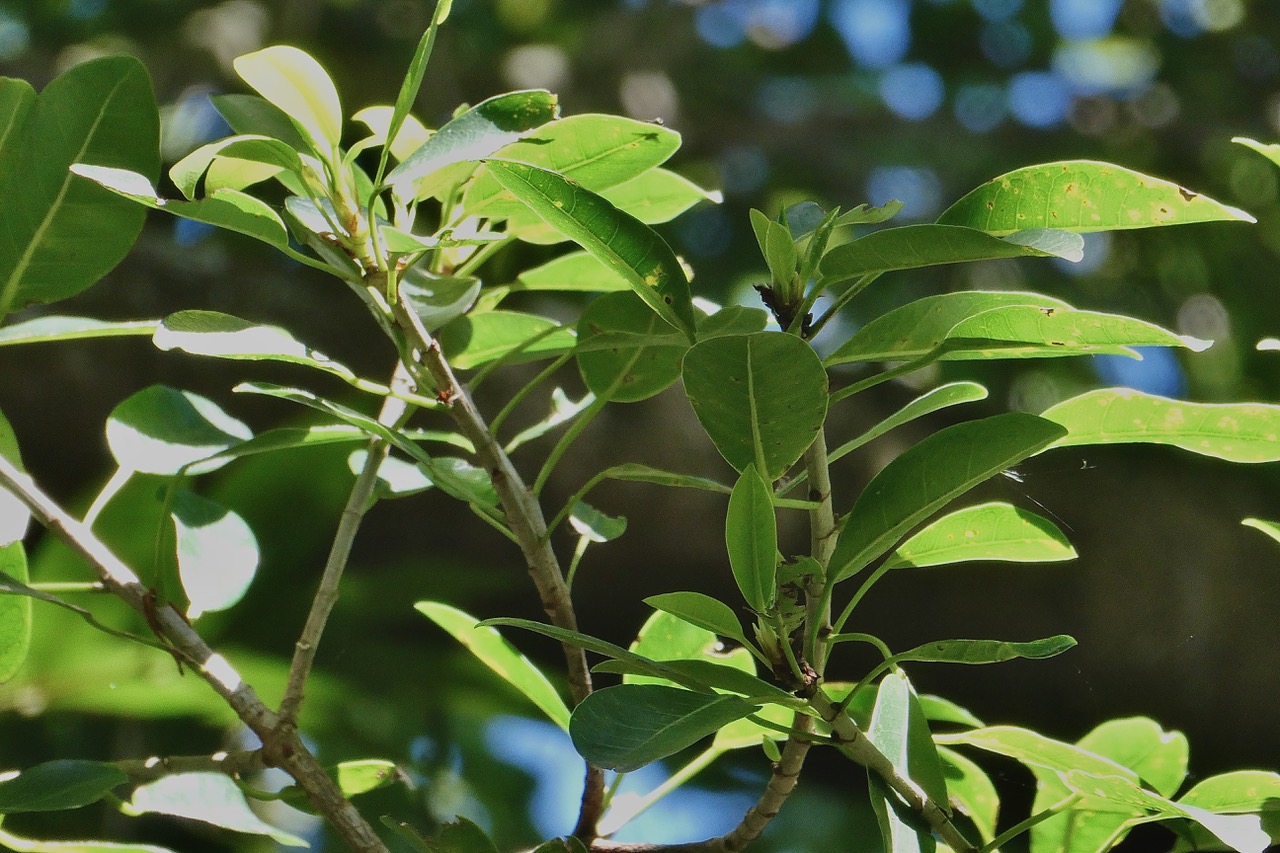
{"x": 751, "y": 537}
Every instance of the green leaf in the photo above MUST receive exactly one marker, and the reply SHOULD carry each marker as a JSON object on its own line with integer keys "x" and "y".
{"x": 412, "y": 84}
{"x": 250, "y": 115}
{"x": 472, "y": 136}
{"x": 212, "y": 333}
{"x": 1271, "y": 152}
{"x": 1082, "y": 196}
{"x": 293, "y": 81}
{"x": 1270, "y": 528}
{"x": 761, "y": 398}
{"x": 971, "y": 791}
{"x": 627, "y": 372}
{"x": 595, "y": 151}
{"x": 912, "y": 246}
{"x": 930, "y": 475}
{"x": 500, "y": 656}
{"x": 562, "y": 411}
{"x": 159, "y": 430}
{"x": 701, "y": 610}
{"x": 229, "y": 209}
{"x": 15, "y": 613}
{"x": 438, "y": 299}
{"x": 209, "y": 797}
{"x": 411, "y": 136}
{"x": 658, "y": 195}
{"x": 594, "y": 525}
{"x": 31, "y": 845}
{"x": 707, "y": 675}
{"x": 461, "y": 836}
{"x": 619, "y": 240}
{"x": 942, "y": 397}
{"x": 576, "y": 272}
{"x": 751, "y": 537}
{"x": 1236, "y": 432}
{"x": 1237, "y": 792}
{"x": 217, "y": 553}
{"x": 989, "y": 531}
{"x": 58, "y": 785}
{"x": 865, "y": 215}
{"x": 261, "y": 156}
{"x": 474, "y": 340}
{"x": 364, "y": 775}
{"x": 51, "y": 329}
{"x": 625, "y": 727}
{"x": 987, "y": 651}
{"x": 561, "y": 845}
{"x": 16, "y": 101}
{"x": 670, "y": 639}
{"x": 777, "y": 247}
{"x": 899, "y": 730}
{"x": 1037, "y": 751}
{"x": 972, "y": 325}
{"x": 14, "y": 515}
{"x": 59, "y": 234}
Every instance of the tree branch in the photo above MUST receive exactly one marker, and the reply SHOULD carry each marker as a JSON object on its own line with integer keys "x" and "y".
{"x": 143, "y": 770}
{"x": 281, "y": 744}
{"x": 358, "y": 502}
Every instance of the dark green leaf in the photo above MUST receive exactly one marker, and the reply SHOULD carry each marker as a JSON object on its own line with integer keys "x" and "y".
{"x": 625, "y": 727}
{"x": 620, "y": 241}
{"x": 627, "y": 373}
{"x": 460, "y": 836}
{"x": 709, "y": 674}
{"x": 474, "y": 340}
{"x": 930, "y": 475}
{"x": 250, "y": 115}
{"x": 58, "y": 233}
{"x": 701, "y": 610}
{"x": 751, "y": 537}
{"x": 1082, "y": 196}
{"x": 595, "y": 526}
{"x": 57, "y": 785}
{"x": 52, "y": 329}
{"x": 761, "y": 398}
{"x": 912, "y": 246}
{"x": 987, "y": 651}
{"x": 16, "y": 101}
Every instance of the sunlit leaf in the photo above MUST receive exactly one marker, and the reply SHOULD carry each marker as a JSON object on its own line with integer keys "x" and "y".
{"x": 944, "y": 396}
{"x": 15, "y": 613}
{"x": 32, "y": 845}
{"x": 293, "y": 81}
{"x": 1037, "y": 751}
{"x": 51, "y": 329}
{"x": 209, "y": 797}
{"x": 625, "y": 727}
{"x": 159, "y": 430}
{"x": 58, "y": 785}
{"x": 261, "y": 151}
{"x": 576, "y": 271}
{"x": 593, "y": 525}
{"x": 217, "y": 553}
{"x": 500, "y": 656}
{"x": 928, "y": 476}
{"x": 987, "y": 651}
{"x": 1082, "y": 196}
{"x": 221, "y": 335}
{"x": 14, "y": 515}
{"x": 761, "y": 398}
{"x": 989, "y": 531}
{"x": 411, "y": 136}
{"x": 658, "y": 195}
{"x": 620, "y": 241}
{"x": 438, "y": 299}
{"x": 1236, "y": 432}
{"x": 971, "y": 791}
{"x": 899, "y": 730}
{"x": 1269, "y": 528}
{"x": 474, "y": 340}
{"x": 60, "y": 234}
{"x": 702, "y": 610}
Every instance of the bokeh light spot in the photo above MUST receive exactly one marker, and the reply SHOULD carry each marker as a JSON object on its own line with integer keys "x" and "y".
{"x": 913, "y": 90}
{"x": 1039, "y": 99}
{"x": 877, "y": 33}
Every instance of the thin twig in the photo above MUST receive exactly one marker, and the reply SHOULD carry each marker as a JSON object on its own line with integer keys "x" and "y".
{"x": 281, "y": 745}
{"x": 143, "y": 770}
{"x": 358, "y": 501}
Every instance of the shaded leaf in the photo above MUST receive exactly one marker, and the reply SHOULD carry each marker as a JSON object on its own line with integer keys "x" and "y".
{"x": 212, "y": 333}
{"x": 898, "y": 729}
{"x": 987, "y": 651}
{"x": 250, "y": 115}
{"x": 646, "y": 357}
{"x": 1269, "y": 528}
{"x": 971, "y": 791}
{"x": 15, "y": 613}
{"x": 438, "y": 299}
{"x": 15, "y": 518}
{"x": 761, "y": 398}
{"x": 500, "y": 656}
{"x": 1082, "y": 196}
{"x": 989, "y": 531}
{"x": 751, "y": 537}
{"x": 57, "y": 785}
{"x": 593, "y": 525}
{"x": 1037, "y": 751}
{"x": 701, "y": 610}
{"x": 627, "y": 726}
{"x": 928, "y": 476}
{"x": 474, "y": 340}
{"x": 1236, "y": 432}
{"x": 52, "y": 329}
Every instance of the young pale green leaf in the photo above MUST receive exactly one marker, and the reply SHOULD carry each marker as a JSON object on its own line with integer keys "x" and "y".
{"x": 625, "y": 727}
{"x": 438, "y": 299}
{"x": 576, "y": 271}
{"x": 595, "y": 151}
{"x": 658, "y": 195}
{"x": 913, "y": 246}
{"x": 209, "y": 797}
{"x": 364, "y": 775}
{"x": 160, "y": 430}
{"x": 1236, "y": 432}
{"x": 475, "y": 134}
{"x": 920, "y": 327}
{"x": 58, "y": 785}
{"x": 1269, "y": 528}
{"x": 751, "y": 537}
{"x": 562, "y": 411}
{"x": 1236, "y": 792}
{"x": 259, "y": 150}
{"x": 761, "y": 398}
{"x": 866, "y": 215}
{"x": 16, "y": 101}
{"x": 411, "y": 136}
{"x": 229, "y": 209}
{"x": 942, "y": 397}
{"x": 1037, "y": 751}
{"x": 777, "y": 247}
{"x": 60, "y": 234}
{"x": 212, "y": 333}
{"x": 987, "y": 651}
{"x": 625, "y": 373}
{"x": 250, "y": 115}
{"x": 217, "y": 553}
{"x": 293, "y": 81}
{"x": 899, "y": 730}
{"x": 1159, "y": 757}
{"x": 989, "y": 531}
{"x": 15, "y": 613}
{"x": 501, "y": 657}
{"x": 701, "y": 610}
{"x": 51, "y": 329}
{"x": 1082, "y": 196}
{"x": 474, "y": 340}
{"x": 620, "y": 241}
{"x": 971, "y": 791}
{"x": 930, "y": 475}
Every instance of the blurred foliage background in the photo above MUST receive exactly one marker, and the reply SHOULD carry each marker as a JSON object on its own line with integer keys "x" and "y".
{"x": 840, "y": 101}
